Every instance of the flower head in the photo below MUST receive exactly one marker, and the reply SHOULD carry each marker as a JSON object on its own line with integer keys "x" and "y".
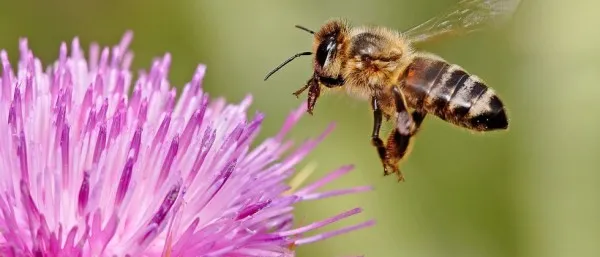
{"x": 87, "y": 170}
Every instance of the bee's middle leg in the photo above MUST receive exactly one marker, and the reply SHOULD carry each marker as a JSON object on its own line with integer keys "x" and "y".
{"x": 375, "y": 139}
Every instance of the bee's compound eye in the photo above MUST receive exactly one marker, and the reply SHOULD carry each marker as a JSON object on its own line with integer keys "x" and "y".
{"x": 326, "y": 49}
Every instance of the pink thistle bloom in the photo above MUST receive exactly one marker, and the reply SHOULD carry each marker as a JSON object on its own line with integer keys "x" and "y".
{"x": 87, "y": 170}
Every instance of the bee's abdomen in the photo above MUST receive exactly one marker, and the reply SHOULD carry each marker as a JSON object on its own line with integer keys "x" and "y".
{"x": 449, "y": 92}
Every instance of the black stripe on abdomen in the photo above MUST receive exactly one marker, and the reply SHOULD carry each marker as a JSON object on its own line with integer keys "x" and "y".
{"x": 420, "y": 77}
{"x": 465, "y": 94}
{"x": 442, "y": 91}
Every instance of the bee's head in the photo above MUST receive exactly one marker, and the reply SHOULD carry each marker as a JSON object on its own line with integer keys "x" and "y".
{"x": 327, "y": 48}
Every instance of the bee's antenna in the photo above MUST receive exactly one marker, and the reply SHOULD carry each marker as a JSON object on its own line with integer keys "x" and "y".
{"x": 286, "y": 62}
{"x": 305, "y": 29}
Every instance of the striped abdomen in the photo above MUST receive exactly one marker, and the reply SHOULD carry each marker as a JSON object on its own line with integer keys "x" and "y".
{"x": 449, "y": 92}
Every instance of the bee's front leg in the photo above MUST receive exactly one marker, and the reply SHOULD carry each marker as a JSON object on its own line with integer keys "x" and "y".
{"x": 303, "y": 88}
{"x": 314, "y": 91}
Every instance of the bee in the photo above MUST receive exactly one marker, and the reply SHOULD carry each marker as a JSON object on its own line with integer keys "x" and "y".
{"x": 403, "y": 84}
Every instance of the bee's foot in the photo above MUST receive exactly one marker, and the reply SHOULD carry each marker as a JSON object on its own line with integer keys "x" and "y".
{"x": 400, "y": 177}
{"x": 386, "y": 172}
{"x": 390, "y": 169}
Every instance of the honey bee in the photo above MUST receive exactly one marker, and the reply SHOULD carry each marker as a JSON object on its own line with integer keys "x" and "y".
{"x": 403, "y": 84}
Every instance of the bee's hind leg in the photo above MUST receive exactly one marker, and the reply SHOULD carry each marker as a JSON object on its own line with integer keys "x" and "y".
{"x": 399, "y": 141}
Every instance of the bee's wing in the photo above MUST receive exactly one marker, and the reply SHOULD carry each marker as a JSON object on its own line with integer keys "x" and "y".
{"x": 464, "y": 17}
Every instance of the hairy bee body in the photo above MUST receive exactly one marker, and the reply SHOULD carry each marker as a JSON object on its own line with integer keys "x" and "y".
{"x": 374, "y": 62}
{"x": 377, "y": 59}
{"x": 402, "y": 84}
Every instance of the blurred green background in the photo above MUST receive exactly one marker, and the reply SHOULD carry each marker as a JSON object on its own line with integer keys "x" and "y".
{"x": 531, "y": 191}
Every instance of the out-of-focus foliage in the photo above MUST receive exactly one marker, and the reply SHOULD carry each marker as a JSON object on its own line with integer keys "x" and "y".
{"x": 531, "y": 191}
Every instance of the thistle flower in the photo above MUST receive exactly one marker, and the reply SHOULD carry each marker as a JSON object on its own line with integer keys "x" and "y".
{"x": 87, "y": 170}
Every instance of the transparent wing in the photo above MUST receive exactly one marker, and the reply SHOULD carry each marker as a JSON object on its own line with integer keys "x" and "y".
{"x": 464, "y": 17}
